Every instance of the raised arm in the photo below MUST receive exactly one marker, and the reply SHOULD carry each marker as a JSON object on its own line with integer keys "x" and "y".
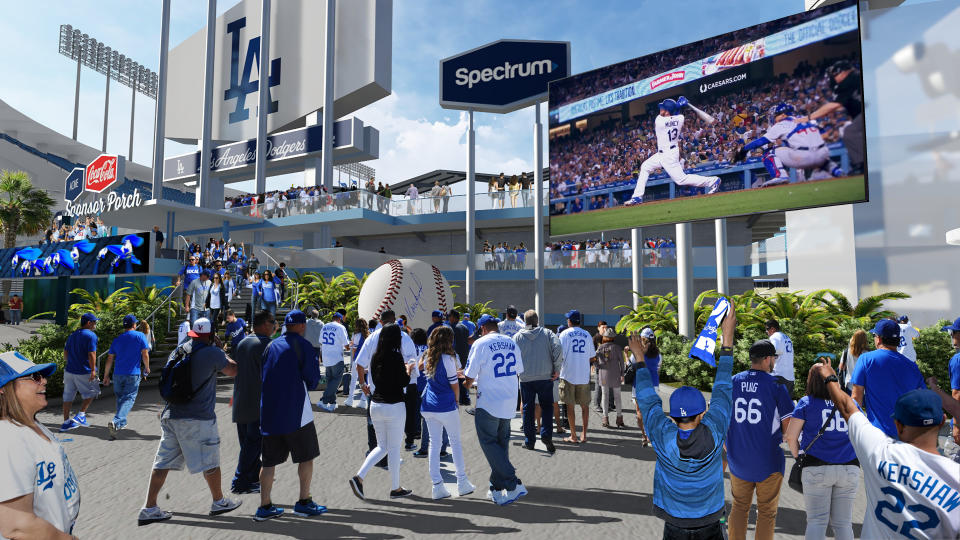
{"x": 845, "y": 404}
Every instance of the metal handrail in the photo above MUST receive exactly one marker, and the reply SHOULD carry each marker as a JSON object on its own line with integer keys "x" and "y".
{"x": 151, "y": 318}
{"x": 267, "y": 255}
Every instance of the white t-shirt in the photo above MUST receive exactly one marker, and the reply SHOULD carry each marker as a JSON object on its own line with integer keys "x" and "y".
{"x": 578, "y": 349}
{"x": 510, "y": 327}
{"x": 407, "y": 349}
{"x": 31, "y": 465}
{"x": 495, "y": 363}
{"x": 333, "y": 338}
{"x": 182, "y": 332}
{"x": 215, "y": 297}
{"x": 907, "y": 334}
{"x": 909, "y": 491}
{"x": 784, "y": 364}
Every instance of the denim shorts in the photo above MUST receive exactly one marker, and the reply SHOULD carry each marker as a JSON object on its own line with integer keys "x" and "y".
{"x": 74, "y": 384}
{"x": 190, "y": 441}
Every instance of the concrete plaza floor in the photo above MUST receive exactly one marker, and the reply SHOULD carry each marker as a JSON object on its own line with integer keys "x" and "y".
{"x": 600, "y": 489}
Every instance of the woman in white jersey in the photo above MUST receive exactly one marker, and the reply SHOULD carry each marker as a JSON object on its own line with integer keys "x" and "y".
{"x": 39, "y": 495}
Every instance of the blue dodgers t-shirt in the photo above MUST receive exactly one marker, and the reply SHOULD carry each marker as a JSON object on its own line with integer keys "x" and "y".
{"x": 754, "y": 436}
{"x": 268, "y": 291}
{"x": 954, "y": 368}
{"x": 834, "y": 445}
{"x": 189, "y": 274}
{"x": 234, "y": 332}
{"x": 79, "y": 344}
{"x": 439, "y": 396}
{"x": 127, "y": 348}
{"x": 885, "y": 376}
{"x": 653, "y": 365}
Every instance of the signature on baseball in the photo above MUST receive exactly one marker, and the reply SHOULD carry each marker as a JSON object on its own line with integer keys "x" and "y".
{"x": 413, "y": 303}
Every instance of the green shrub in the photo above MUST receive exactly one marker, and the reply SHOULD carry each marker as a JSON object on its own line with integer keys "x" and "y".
{"x": 934, "y": 350}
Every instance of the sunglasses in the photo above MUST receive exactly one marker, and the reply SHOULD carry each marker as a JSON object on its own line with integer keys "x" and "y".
{"x": 36, "y": 376}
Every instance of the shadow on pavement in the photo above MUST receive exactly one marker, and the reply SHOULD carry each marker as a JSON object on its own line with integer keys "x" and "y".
{"x": 289, "y": 525}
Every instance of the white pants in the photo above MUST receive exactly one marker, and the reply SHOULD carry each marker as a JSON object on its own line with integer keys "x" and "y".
{"x": 669, "y": 161}
{"x": 829, "y": 492}
{"x": 784, "y": 156}
{"x": 436, "y": 423}
{"x": 388, "y": 420}
{"x": 605, "y": 403}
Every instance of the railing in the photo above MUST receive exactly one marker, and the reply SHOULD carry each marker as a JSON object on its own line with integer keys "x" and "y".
{"x": 395, "y": 206}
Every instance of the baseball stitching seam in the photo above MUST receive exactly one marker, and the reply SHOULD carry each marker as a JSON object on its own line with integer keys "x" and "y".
{"x": 441, "y": 294}
{"x": 393, "y": 288}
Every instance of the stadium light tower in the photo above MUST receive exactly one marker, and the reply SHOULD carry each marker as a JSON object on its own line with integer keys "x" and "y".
{"x": 89, "y": 52}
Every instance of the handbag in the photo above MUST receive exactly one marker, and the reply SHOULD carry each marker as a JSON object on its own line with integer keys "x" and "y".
{"x": 797, "y": 470}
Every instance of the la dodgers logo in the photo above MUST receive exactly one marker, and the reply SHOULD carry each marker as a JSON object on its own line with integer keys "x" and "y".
{"x": 46, "y": 472}
{"x": 241, "y": 86}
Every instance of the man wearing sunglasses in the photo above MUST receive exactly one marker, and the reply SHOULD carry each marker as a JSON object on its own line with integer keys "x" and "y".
{"x": 188, "y": 273}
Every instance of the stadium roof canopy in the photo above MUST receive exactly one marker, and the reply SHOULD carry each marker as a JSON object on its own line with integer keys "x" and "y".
{"x": 444, "y": 176}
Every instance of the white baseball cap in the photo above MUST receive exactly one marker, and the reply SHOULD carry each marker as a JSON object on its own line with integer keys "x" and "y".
{"x": 200, "y": 327}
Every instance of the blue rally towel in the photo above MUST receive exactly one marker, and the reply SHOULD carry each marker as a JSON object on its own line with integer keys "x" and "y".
{"x": 707, "y": 340}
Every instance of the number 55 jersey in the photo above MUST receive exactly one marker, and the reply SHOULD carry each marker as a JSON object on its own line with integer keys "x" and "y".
{"x": 495, "y": 363}
{"x": 910, "y": 493}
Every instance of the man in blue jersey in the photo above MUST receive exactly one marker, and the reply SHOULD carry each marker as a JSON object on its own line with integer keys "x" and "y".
{"x": 188, "y": 273}
{"x": 761, "y": 409}
{"x": 688, "y": 476}
{"x": 883, "y": 375}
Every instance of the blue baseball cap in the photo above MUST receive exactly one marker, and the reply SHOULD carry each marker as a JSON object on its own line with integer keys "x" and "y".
{"x": 437, "y": 313}
{"x": 573, "y": 315}
{"x": 295, "y": 317}
{"x": 903, "y": 319}
{"x": 486, "y": 318}
{"x": 14, "y": 365}
{"x": 955, "y": 327}
{"x": 886, "y": 329}
{"x": 920, "y": 408}
{"x": 129, "y": 321}
{"x": 87, "y": 318}
{"x": 686, "y": 401}
{"x": 337, "y": 315}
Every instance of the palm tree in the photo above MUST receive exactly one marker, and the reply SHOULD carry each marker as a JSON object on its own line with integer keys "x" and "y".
{"x": 23, "y": 210}
{"x": 657, "y": 311}
{"x": 870, "y": 309}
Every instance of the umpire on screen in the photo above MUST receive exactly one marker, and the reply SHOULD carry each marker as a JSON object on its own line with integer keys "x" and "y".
{"x": 845, "y": 82}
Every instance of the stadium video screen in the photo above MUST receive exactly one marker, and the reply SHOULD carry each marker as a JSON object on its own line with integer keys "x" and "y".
{"x": 762, "y": 119}
{"x": 121, "y": 255}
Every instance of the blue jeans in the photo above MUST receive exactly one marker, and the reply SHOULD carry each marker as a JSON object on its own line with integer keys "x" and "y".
{"x": 494, "y": 436}
{"x": 125, "y": 387}
{"x": 425, "y": 438}
{"x": 532, "y": 392}
{"x": 197, "y": 314}
{"x": 269, "y": 306}
{"x": 248, "y": 464}
{"x": 334, "y": 373}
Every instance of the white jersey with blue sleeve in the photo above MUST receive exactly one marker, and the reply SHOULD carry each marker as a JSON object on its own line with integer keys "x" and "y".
{"x": 910, "y": 493}
{"x": 796, "y": 135}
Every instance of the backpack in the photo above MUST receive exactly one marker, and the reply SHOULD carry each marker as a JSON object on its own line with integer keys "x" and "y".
{"x": 176, "y": 378}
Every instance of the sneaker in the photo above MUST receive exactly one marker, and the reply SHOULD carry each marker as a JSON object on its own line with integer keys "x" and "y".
{"x": 550, "y": 447}
{"x": 332, "y": 406}
{"x": 356, "y": 484}
{"x": 308, "y": 508}
{"x": 409, "y": 446}
{"x": 529, "y": 446}
{"x": 464, "y": 487}
{"x": 348, "y": 402}
{"x": 439, "y": 491}
{"x": 419, "y": 454}
{"x": 517, "y": 492}
{"x": 471, "y": 411}
{"x": 113, "y": 430}
{"x": 81, "y": 419}
{"x": 252, "y": 488}
{"x": 401, "y": 493}
{"x": 715, "y": 186}
{"x": 267, "y": 512}
{"x": 443, "y": 454}
{"x": 152, "y": 515}
{"x": 633, "y": 201}
{"x": 68, "y": 425}
{"x": 223, "y": 506}
{"x": 500, "y": 499}
{"x": 491, "y": 494}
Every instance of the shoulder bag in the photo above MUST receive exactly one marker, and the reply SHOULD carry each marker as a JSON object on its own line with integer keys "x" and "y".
{"x": 795, "y": 472}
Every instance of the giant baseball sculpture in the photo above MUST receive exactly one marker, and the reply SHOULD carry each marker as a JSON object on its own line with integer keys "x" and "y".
{"x": 408, "y": 287}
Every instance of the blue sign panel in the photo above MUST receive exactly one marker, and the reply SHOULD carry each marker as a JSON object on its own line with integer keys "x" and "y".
{"x": 296, "y": 143}
{"x": 502, "y": 76}
{"x": 74, "y": 184}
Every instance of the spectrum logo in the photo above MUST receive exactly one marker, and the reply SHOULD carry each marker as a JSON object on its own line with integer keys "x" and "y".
{"x": 667, "y": 78}
{"x": 506, "y": 71}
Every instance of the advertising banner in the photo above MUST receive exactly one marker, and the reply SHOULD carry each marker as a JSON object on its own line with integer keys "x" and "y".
{"x": 103, "y": 172}
{"x": 502, "y": 76}
{"x": 73, "y": 187}
{"x": 129, "y": 254}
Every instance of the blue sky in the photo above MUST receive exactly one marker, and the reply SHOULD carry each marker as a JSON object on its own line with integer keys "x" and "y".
{"x": 416, "y": 134}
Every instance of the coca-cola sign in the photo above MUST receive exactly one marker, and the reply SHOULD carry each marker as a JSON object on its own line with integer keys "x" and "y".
{"x": 103, "y": 172}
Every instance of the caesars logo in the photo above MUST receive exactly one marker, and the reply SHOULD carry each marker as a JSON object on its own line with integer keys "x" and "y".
{"x": 706, "y": 87}
{"x": 506, "y": 71}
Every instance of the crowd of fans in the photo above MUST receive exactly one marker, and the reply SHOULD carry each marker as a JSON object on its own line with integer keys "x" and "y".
{"x": 86, "y": 227}
{"x": 591, "y": 253}
{"x": 624, "y": 73}
{"x": 614, "y": 150}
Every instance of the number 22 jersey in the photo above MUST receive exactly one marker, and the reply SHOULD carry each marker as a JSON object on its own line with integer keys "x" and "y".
{"x": 910, "y": 493}
{"x": 494, "y": 362}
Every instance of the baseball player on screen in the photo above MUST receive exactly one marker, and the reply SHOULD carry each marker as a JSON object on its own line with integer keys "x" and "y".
{"x": 803, "y": 147}
{"x": 668, "y": 126}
